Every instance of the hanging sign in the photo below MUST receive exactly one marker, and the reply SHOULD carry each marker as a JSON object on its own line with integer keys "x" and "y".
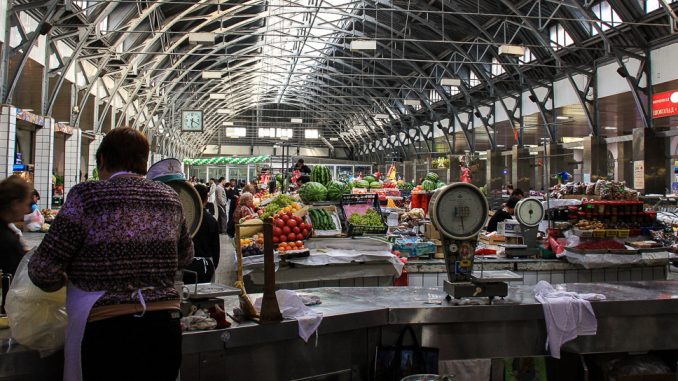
{"x": 639, "y": 174}
{"x": 664, "y": 104}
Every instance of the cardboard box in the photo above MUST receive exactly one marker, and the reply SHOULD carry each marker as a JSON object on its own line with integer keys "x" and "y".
{"x": 509, "y": 228}
{"x": 430, "y": 231}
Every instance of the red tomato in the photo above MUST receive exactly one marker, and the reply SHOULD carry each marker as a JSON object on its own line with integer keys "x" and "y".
{"x": 299, "y": 244}
{"x": 296, "y": 230}
{"x": 286, "y": 230}
{"x": 290, "y": 215}
{"x": 277, "y": 231}
{"x": 279, "y": 222}
{"x": 298, "y": 219}
{"x": 291, "y": 222}
{"x": 303, "y": 226}
{"x": 285, "y": 217}
{"x": 276, "y": 239}
{"x": 304, "y": 232}
{"x": 291, "y": 237}
{"x": 299, "y": 236}
{"x": 283, "y": 238}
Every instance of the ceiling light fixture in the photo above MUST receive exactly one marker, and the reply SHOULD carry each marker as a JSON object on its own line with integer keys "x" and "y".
{"x": 381, "y": 116}
{"x": 511, "y": 50}
{"x": 203, "y": 38}
{"x": 611, "y": 128}
{"x": 334, "y": 139}
{"x": 412, "y": 102}
{"x": 217, "y": 96}
{"x": 563, "y": 117}
{"x": 211, "y": 74}
{"x": 297, "y": 120}
{"x": 454, "y": 82}
{"x": 222, "y": 111}
{"x": 227, "y": 124}
{"x": 364, "y": 45}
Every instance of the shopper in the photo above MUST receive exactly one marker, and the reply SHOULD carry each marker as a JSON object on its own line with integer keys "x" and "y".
{"x": 518, "y": 193}
{"x": 35, "y": 197}
{"x": 206, "y": 244}
{"x": 15, "y": 201}
{"x": 212, "y": 197}
{"x": 220, "y": 193}
{"x": 250, "y": 188}
{"x": 502, "y": 214}
{"x": 301, "y": 167}
{"x": 232, "y": 196}
{"x": 245, "y": 207}
{"x": 118, "y": 243}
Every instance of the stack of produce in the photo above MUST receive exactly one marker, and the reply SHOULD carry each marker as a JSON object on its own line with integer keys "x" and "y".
{"x": 291, "y": 246}
{"x": 252, "y": 246}
{"x": 312, "y": 191}
{"x": 336, "y": 189}
{"x": 279, "y": 203}
{"x": 322, "y": 219}
{"x": 370, "y": 218}
{"x": 289, "y": 228}
{"x": 321, "y": 174}
{"x": 403, "y": 185}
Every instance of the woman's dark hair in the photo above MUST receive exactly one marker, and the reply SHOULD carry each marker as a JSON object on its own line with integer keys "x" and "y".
{"x": 36, "y": 193}
{"x": 12, "y": 189}
{"x": 203, "y": 191}
{"x": 512, "y": 202}
{"x": 124, "y": 149}
{"x": 518, "y": 192}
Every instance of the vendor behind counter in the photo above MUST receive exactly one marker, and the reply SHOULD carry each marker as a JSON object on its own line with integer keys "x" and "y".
{"x": 502, "y": 214}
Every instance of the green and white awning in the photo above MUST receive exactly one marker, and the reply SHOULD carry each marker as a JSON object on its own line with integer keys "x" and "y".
{"x": 227, "y": 160}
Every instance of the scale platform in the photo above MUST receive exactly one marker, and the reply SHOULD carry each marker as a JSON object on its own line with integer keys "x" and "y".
{"x": 483, "y": 284}
{"x": 210, "y": 290}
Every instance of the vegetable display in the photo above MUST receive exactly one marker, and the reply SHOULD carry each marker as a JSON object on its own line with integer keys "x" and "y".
{"x": 279, "y": 203}
{"x": 432, "y": 176}
{"x": 312, "y": 191}
{"x": 336, "y": 189}
{"x": 403, "y": 185}
{"x": 321, "y": 219}
{"x": 601, "y": 244}
{"x": 370, "y": 218}
{"x": 321, "y": 174}
{"x": 289, "y": 228}
{"x": 362, "y": 184}
{"x": 369, "y": 179}
{"x": 428, "y": 185}
{"x": 375, "y": 185}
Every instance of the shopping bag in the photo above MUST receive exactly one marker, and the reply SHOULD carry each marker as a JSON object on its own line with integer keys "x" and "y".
{"x": 394, "y": 362}
{"x": 37, "y": 319}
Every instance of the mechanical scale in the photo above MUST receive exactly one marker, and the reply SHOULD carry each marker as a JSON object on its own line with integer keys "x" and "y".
{"x": 459, "y": 212}
{"x": 529, "y": 213}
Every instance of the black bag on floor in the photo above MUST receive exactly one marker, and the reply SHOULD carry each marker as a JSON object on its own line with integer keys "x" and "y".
{"x": 203, "y": 269}
{"x": 394, "y": 362}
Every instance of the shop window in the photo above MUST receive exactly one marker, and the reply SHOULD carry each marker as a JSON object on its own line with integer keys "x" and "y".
{"x": 559, "y": 37}
{"x": 607, "y": 15}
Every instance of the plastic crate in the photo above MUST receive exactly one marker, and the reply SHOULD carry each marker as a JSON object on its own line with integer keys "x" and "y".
{"x": 623, "y": 233}
{"x": 600, "y": 233}
{"x": 611, "y": 233}
{"x": 369, "y": 201}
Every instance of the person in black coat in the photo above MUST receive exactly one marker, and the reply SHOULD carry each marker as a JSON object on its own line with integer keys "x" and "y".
{"x": 502, "y": 214}
{"x": 206, "y": 245}
{"x": 15, "y": 202}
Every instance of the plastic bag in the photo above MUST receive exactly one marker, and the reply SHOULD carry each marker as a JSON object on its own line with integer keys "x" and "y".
{"x": 34, "y": 221}
{"x": 37, "y": 319}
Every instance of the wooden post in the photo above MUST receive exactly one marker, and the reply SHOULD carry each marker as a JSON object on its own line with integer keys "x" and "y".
{"x": 270, "y": 311}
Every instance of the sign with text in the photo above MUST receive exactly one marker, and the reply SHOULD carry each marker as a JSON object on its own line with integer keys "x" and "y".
{"x": 639, "y": 174}
{"x": 664, "y": 104}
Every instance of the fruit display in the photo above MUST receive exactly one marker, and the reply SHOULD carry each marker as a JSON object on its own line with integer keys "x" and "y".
{"x": 404, "y": 185}
{"x": 288, "y": 228}
{"x": 252, "y": 246}
{"x": 601, "y": 244}
{"x": 291, "y": 246}
{"x": 322, "y": 219}
{"x": 312, "y": 191}
{"x": 389, "y": 184}
{"x": 369, "y": 179}
{"x": 362, "y": 184}
{"x": 428, "y": 185}
{"x": 590, "y": 225}
{"x": 375, "y": 185}
{"x": 321, "y": 174}
{"x": 49, "y": 214}
{"x": 433, "y": 177}
{"x": 336, "y": 189}
{"x": 370, "y": 218}
{"x": 279, "y": 203}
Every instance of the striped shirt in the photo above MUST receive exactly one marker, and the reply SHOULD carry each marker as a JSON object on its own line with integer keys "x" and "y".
{"x": 119, "y": 236}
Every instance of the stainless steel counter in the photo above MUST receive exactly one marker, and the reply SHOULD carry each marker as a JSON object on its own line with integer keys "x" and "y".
{"x": 637, "y": 316}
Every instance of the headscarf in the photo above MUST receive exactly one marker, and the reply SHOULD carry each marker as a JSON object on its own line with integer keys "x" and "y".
{"x": 245, "y": 206}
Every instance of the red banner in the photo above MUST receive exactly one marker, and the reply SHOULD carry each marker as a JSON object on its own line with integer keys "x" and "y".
{"x": 664, "y": 104}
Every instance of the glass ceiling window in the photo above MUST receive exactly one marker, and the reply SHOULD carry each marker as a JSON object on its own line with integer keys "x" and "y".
{"x": 297, "y": 34}
{"x": 607, "y": 15}
{"x": 434, "y": 96}
{"x": 559, "y": 37}
{"x": 527, "y": 57}
{"x": 473, "y": 79}
{"x": 653, "y": 5}
{"x": 497, "y": 69}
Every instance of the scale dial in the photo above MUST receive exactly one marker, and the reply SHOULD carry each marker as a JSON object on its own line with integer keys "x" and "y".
{"x": 459, "y": 211}
{"x": 529, "y": 212}
{"x": 190, "y": 202}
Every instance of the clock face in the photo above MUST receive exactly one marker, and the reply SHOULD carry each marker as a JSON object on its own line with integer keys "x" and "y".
{"x": 529, "y": 212}
{"x": 191, "y": 120}
{"x": 459, "y": 211}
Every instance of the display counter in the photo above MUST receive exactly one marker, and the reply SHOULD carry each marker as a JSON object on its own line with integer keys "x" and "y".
{"x": 356, "y": 320}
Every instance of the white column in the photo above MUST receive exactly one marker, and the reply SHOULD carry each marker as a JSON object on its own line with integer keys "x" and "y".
{"x": 93, "y": 147}
{"x": 7, "y": 140}
{"x": 44, "y": 162}
{"x": 72, "y": 162}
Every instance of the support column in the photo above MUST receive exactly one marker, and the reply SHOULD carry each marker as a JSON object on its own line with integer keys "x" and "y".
{"x": 495, "y": 171}
{"x": 595, "y": 158}
{"x": 7, "y": 140}
{"x": 521, "y": 172}
{"x": 93, "y": 147}
{"x": 44, "y": 162}
{"x": 72, "y": 161}
{"x": 649, "y": 161}
{"x": 455, "y": 169}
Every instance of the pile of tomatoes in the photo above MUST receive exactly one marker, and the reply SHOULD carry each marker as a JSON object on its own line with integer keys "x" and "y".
{"x": 289, "y": 228}
{"x": 287, "y": 246}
